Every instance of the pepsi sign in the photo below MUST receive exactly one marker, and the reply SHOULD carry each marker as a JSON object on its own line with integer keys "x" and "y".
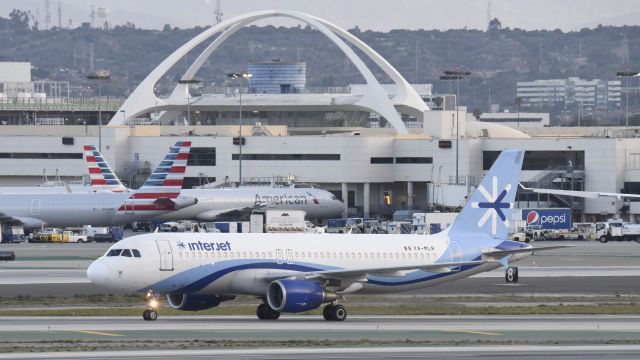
{"x": 548, "y": 218}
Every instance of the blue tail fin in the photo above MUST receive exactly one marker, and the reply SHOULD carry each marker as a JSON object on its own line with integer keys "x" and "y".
{"x": 488, "y": 209}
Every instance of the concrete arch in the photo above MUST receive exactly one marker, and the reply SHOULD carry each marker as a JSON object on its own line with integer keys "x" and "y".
{"x": 376, "y": 99}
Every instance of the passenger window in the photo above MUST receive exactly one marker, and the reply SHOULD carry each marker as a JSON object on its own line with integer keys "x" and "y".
{"x": 136, "y": 253}
{"x": 114, "y": 252}
{"x": 126, "y": 252}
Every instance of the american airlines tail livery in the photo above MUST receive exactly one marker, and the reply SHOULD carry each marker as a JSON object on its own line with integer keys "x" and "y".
{"x": 225, "y": 204}
{"x": 159, "y": 194}
{"x": 294, "y": 273}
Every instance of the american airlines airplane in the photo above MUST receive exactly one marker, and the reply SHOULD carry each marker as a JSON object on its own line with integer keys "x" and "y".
{"x": 294, "y": 273}
{"x": 226, "y": 204}
{"x": 159, "y": 194}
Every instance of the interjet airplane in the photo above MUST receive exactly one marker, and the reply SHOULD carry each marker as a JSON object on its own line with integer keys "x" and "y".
{"x": 294, "y": 273}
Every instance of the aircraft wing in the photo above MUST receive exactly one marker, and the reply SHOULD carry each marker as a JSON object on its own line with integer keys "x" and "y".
{"x": 19, "y": 220}
{"x": 489, "y": 256}
{"x": 582, "y": 194}
{"x": 211, "y": 215}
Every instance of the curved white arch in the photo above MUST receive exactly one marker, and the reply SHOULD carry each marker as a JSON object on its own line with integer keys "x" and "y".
{"x": 375, "y": 98}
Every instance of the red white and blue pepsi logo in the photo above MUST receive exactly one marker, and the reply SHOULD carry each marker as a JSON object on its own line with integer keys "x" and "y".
{"x": 533, "y": 218}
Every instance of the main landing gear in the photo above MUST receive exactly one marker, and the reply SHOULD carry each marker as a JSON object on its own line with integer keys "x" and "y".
{"x": 265, "y": 312}
{"x": 334, "y": 312}
{"x": 150, "y": 314}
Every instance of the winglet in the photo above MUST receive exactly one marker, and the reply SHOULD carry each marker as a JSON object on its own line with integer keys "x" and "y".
{"x": 504, "y": 262}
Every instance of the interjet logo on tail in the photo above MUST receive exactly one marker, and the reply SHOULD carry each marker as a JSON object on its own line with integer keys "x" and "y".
{"x": 494, "y": 205}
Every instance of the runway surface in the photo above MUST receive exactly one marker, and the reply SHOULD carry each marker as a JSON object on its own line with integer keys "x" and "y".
{"x": 557, "y": 328}
{"x": 438, "y": 331}
{"x": 610, "y": 352}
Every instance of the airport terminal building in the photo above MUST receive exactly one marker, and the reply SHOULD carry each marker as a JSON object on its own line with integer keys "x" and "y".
{"x": 359, "y": 144}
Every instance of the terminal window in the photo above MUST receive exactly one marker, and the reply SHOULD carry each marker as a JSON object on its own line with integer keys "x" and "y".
{"x": 382, "y": 160}
{"x": 285, "y": 157}
{"x": 541, "y": 160}
{"x": 54, "y": 156}
{"x": 414, "y": 160}
{"x": 202, "y": 156}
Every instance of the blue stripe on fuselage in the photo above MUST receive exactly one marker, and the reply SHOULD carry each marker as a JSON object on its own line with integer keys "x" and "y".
{"x": 199, "y": 277}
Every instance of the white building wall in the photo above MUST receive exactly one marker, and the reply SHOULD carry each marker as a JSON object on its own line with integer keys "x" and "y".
{"x": 11, "y": 71}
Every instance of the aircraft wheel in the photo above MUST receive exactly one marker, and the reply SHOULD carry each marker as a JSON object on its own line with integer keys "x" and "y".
{"x": 264, "y": 312}
{"x": 150, "y": 315}
{"x": 339, "y": 313}
{"x": 327, "y": 312}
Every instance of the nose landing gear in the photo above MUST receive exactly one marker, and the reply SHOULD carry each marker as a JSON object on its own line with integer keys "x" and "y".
{"x": 150, "y": 314}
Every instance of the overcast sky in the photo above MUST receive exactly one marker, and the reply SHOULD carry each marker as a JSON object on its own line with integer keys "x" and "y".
{"x": 382, "y": 15}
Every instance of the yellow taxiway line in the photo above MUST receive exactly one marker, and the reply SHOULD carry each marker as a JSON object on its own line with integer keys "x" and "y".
{"x": 100, "y": 333}
{"x": 474, "y": 332}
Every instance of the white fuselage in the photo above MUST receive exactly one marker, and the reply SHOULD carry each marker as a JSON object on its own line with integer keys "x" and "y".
{"x": 223, "y": 204}
{"x": 234, "y": 264}
{"x": 71, "y": 209}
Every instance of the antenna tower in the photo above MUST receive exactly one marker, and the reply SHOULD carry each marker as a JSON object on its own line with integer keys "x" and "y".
{"x": 47, "y": 14}
{"x": 92, "y": 15}
{"x": 488, "y": 14}
{"x": 59, "y": 15}
{"x": 218, "y": 12}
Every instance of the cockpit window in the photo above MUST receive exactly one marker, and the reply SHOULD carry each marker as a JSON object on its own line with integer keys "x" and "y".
{"x": 333, "y": 197}
{"x": 126, "y": 252}
{"x": 114, "y": 252}
{"x": 136, "y": 253}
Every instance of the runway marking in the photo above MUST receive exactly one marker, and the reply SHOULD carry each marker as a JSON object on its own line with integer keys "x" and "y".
{"x": 473, "y": 332}
{"x": 97, "y": 333}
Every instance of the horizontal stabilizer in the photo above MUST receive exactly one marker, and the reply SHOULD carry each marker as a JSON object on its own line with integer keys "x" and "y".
{"x": 497, "y": 255}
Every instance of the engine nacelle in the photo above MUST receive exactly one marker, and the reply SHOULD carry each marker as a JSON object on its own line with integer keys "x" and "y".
{"x": 193, "y": 302}
{"x": 294, "y": 296}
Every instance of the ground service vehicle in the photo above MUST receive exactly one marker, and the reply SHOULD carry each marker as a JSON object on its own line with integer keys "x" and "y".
{"x": 535, "y": 232}
{"x": 617, "y": 230}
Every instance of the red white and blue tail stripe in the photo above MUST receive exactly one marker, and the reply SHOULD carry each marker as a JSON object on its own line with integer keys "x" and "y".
{"x": 100, "y": 173}
{"x": 163, "y": 187}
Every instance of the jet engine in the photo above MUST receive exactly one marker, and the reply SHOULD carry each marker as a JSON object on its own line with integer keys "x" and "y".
{"x": 294, "y": 296}
{"x": 193, "y": 302}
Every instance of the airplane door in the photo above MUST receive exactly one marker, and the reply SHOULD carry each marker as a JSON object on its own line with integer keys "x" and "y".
{"x": 35, "y": 206}
{"x": 289, "y": 256}
{"x": 279, "y": 256}
{"x": 128, "y": 206}
{"x": 166, "y": 256}
{"x": 456, "y": 255}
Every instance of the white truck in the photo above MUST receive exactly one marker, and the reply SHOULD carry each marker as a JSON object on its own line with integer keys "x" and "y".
{"x": 617, "y": 230}
{"x": 432, "y": 223}
{"x": 278, "y": 221}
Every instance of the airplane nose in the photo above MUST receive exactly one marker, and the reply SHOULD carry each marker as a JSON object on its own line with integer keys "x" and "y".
{"x": 98, "y": 272}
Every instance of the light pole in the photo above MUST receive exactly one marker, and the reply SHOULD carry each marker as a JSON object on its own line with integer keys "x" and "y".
{"x": 188, "y": 82}
{"x": 457, "y": 75}
{"x": 627, "y": 74}
{"x": 99, "y": 75}
{"x": 240, "y": 76}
